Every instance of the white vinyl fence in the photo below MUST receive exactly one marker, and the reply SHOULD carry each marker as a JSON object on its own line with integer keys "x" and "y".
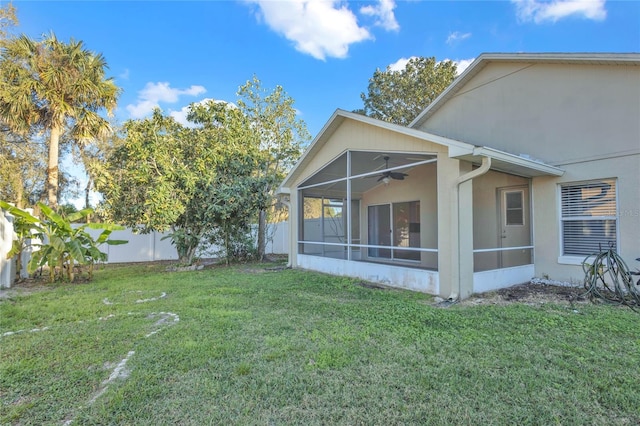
{"x": 7, "y": 266}
{"x": 151, "y": 247}
{"x": 140, "y": 247}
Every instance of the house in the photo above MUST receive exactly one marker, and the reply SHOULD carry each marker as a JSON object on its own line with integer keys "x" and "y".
{"x": 521, "y": 168}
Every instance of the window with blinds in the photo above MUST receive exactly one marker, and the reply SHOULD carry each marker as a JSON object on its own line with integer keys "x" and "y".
{"x": 588, "y": 217}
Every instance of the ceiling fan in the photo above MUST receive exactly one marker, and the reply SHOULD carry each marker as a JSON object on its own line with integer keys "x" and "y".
{"x": 388, "y": 175}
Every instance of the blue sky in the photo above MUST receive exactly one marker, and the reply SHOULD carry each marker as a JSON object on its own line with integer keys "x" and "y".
{"x": 172, "y": 53}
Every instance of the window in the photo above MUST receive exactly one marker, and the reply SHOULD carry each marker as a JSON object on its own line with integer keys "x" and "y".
{"x": 395, "y": 225}
{"x": 514, "y": 208}
{"x": 588, "y": 217}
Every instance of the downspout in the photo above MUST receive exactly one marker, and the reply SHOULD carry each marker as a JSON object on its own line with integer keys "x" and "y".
{"x": 484, "y": 168}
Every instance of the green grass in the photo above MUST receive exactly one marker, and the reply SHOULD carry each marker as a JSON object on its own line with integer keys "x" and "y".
{"x": 294, "y": 347}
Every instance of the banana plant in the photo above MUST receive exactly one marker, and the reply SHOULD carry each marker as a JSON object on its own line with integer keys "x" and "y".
{"x": 63, "y": 245}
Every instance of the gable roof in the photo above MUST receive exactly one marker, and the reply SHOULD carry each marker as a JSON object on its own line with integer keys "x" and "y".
{"x": 339, "y": 116}
{"x": 457, "y": 149}
{"x": 540, "y": 58}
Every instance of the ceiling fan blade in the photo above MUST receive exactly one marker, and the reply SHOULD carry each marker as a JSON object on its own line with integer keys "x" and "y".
{"x": 398, "y": 175}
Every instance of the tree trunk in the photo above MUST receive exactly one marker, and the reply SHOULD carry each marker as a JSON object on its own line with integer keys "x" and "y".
{"x": 52, "y": 168}
{"x": 87, "y": 190}
{"x": 70, "y": 271}
{"x": 19, "y": 190}
{"x": 226, "y": 247}
{"x": 187, "y": 255}
{"x": 262, "y": 235}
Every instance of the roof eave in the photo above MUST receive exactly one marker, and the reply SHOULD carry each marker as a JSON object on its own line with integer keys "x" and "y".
{"x": 338, "y": 118}
{"x": 511, "y": 163}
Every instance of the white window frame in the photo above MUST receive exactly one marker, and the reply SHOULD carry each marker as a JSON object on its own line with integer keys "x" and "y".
{"x": 570, "y": 259}
{"x": 506, "y": 209}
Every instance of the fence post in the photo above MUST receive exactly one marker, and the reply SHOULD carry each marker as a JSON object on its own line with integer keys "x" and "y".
{"x": 7, "y": 266}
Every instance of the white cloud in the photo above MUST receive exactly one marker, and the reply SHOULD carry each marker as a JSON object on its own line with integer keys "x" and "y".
{"x": 457, "y": 36}
{"x": 154, "y": 93}
{"x": 400, "y": 64}
{"x": 540, "y": 11}
{"x": 124, "y": 74}
{"x": 181, "y": 115}
{"x": 384, "y": 14}
{"x": 463, "y": 64}
{"x": 141, "y": 109}
{"x": 317, "y": 28}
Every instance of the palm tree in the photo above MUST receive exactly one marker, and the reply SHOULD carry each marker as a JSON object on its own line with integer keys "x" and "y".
{"x": 57, "y": 87}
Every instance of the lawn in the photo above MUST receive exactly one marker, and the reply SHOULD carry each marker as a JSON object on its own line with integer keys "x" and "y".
{"x": 245, "y": 345}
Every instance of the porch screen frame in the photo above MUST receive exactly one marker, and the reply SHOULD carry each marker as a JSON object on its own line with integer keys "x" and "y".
{"x": 350, "y": 245}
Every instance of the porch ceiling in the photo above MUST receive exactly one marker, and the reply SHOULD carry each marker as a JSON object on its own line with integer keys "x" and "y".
{"x": 369, "y": 163}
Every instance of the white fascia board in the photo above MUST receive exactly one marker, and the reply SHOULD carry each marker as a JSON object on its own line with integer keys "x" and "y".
{"x": 518, "y": 161}
{"x": 584, "y": 57}
{"x": 460, "y": 80}
{"x": 460, "y": 151}
{"x": 314, "y": 146}
{"x": 282, "y": 190}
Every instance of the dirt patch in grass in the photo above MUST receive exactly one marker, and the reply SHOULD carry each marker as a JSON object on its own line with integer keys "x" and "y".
{"x": 530, "y": 294}
{"x": 24, "y": 287}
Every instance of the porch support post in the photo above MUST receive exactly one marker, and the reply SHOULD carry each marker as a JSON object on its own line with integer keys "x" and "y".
{"x": 465, "y": 238}
{"x": 349, "y": 224}
{"x": 455, "y": 228}
{"x": 294, "y": 227}
{"x": 447, "y": 174}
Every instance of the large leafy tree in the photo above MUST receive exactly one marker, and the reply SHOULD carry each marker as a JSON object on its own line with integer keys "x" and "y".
{"x": 232, "y": 202}
{"x": 281, "y": 138}
{"x": 22, "y": 170}
{"x": 147, "y": 179}
{"x": 93, "y": 156}
{"x": 190, "y": 181}
{"x": 8, "y": 20}
{"x": 58, "y": 87}
{"x": 399, "y": 96}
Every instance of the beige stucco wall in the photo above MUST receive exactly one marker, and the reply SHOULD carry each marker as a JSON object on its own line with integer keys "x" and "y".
{"x": 585, "y": 119}
{"x": 356, "y": 136}
{"x": 547, "y": 214}
{"x": 486, "y": 229}
{"x": 557, "y": 113}
{"x": 420, "y": 185}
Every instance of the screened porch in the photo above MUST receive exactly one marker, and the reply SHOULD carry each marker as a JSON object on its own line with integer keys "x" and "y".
{"x": 381, "y": 207}
{"x": 372, "y": 206}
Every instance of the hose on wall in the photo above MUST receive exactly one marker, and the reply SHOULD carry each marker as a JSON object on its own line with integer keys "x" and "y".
{"x": 608, "y": 278}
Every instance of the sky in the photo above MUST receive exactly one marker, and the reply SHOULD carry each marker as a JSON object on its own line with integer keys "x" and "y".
{"x": 169, "y": 54}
